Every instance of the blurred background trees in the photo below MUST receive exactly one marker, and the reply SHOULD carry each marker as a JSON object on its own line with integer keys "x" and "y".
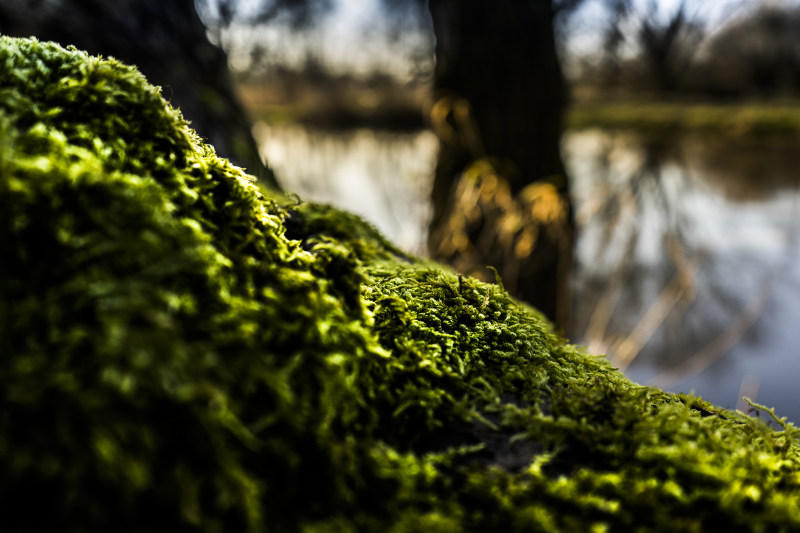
{"x": 692, "y": 50}
{"x": 754, "y": 56}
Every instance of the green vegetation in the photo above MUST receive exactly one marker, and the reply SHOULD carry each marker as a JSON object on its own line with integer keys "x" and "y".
{"x": 735, "y": 120}
{"x": 179, "y": 352}
{"x": 319, "y": 99}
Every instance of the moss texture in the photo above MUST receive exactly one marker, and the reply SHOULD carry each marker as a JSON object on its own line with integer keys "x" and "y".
{"x": 179, "y": 352}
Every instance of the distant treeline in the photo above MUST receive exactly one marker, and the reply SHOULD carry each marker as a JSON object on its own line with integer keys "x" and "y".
{"x": 756, "y": 55}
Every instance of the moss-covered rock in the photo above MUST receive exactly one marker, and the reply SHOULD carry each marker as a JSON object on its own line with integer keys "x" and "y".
{"x": 179, "y": 352}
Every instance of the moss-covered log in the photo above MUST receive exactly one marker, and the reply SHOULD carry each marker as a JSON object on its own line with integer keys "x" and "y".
{"x": 180, "y": 353}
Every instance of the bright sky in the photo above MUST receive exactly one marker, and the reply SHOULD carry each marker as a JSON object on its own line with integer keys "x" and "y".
{"x": 353, "y": 36}
{"x": 592, "y": 17}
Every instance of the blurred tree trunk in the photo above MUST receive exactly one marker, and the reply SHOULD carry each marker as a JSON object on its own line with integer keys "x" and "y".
{"x": 500, "y": 195}
{"x": 167, "y": 41}
{"x": 661, "y": 47}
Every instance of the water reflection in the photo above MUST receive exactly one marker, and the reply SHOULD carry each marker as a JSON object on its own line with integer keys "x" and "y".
{"x": 384, "y": 177}
{"x": 685, "y": 261}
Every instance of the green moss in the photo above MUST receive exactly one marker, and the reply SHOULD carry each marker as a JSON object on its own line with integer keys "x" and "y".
{"x": 180, "y": 353}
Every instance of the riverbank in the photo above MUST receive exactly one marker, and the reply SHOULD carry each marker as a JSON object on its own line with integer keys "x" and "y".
{"x": 735, "y": 119}
{"x": 337, "y": 104}
{"x": 382, "y": 104}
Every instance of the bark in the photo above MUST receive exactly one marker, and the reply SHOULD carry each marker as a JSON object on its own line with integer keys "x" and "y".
{"x": 500, "y": 194}
{"x": 168, "y": 42}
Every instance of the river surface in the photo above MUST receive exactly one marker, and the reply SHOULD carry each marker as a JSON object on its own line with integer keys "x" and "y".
{"x": 688, "y": 254}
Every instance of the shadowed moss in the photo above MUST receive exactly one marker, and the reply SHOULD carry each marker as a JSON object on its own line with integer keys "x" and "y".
{"x": 180, "y": 353}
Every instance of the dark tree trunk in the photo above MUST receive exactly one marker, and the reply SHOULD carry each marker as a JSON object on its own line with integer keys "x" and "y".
{"x": 167, "y": 41}
{"x": 500, "y": 195}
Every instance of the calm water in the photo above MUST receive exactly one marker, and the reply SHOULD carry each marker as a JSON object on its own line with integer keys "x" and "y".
{"x": 384, "y": 177}
{"x": 685, "y": 262}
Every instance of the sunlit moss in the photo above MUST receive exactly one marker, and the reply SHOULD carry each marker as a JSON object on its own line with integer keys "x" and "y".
{"x": 180, "y": 353}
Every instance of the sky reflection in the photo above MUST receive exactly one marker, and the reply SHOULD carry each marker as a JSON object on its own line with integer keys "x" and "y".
{"x": 728, "y": 326}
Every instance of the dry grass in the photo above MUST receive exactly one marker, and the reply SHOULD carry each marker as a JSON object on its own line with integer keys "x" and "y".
{"x": 751, "y": 119}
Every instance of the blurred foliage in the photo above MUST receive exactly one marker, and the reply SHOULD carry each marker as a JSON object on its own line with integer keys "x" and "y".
{"x": 179, "y": 352}
{"x": 755, "y": 55}
{"x": 499, "y": 96}
{"x": 516, "y": 231}
{"x": 677, "y": 54}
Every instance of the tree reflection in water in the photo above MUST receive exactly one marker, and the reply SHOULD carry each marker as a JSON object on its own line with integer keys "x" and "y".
{"x": 685, "y": 263}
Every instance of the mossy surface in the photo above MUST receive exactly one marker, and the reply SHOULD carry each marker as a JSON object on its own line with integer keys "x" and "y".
{"x": 180, "y": 353}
